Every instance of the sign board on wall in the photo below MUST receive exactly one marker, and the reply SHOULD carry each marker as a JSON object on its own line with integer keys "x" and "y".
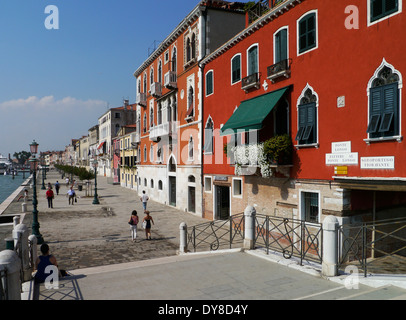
{"x": 378, "y": 163}
{"x": 341, "y": 154}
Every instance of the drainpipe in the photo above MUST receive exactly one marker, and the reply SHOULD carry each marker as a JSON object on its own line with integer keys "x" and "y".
{"x": 203, "y": 9}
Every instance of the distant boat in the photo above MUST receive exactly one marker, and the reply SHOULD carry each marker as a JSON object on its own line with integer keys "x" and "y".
{"x": 4, "y": 164}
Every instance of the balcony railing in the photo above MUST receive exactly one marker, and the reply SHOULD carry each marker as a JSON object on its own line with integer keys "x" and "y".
{"x": 156, "y": 89}
{"x": 277, "y": 70}
{"x": 251, "y": 81}
{"x": 262, "y": 7}
{"x": 161, "y": 130}
{"x": 170, "y": 80}
{"x": 141, "y": 99}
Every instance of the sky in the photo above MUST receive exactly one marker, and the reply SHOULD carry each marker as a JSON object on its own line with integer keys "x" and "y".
{"x": 61, "y": 69}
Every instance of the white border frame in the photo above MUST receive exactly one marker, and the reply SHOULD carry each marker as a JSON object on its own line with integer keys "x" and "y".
{"x": 249, "y": 48}
{"x": 205, "y": 81}
{"x": 274, "y": 42}
{"x": 231, "y": 69}
{"x": 301, "y": 205}
{"x": 317, "y": 32}
{"x": 239, "y": 196}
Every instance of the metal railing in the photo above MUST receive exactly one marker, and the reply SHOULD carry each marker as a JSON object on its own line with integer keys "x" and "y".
{"x": 218, "y": 234}
{"x": 374, "y": 247}
{"x": 262, "y": 7}
{"x": 280, "y": 69}
{"x": 291, "y": 237}
{"x": 250, "y": 82}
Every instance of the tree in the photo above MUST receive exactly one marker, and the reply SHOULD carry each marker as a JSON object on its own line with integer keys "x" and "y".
{"x": 22, "y": 156}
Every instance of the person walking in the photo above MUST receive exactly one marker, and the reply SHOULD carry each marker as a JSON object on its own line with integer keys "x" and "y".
{"x": 133, "y": 223}
{"x": 50, "y": 196}
{"x": 147, "y": 222}
{"x": 71, "y": 195}
{"x": 57, "y": 186}
{"x": 144, "y": 199}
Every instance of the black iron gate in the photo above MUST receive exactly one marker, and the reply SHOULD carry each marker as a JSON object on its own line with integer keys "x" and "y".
{"x": 376, "y": 247}
{"x": 291, "y": 237}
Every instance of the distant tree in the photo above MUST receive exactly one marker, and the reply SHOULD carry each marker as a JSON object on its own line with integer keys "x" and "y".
{"x": 22, "y": 156}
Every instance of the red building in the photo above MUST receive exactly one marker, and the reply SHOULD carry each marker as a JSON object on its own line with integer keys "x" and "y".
{"x": 169, "y": 102}
{"x": 329, "y": 74}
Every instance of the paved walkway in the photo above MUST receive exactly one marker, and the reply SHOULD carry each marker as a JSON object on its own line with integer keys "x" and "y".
{"x": 93, "y": 243}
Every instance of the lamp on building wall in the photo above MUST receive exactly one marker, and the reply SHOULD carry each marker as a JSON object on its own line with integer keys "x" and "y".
{"x": 95, "y": 198}
{"x": 34, "y": 165}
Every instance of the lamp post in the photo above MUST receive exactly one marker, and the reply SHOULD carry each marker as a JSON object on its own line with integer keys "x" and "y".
{"x": 96, "y": 198}
{"x": 43, "y": 177}
{"x": 34, "y": 164}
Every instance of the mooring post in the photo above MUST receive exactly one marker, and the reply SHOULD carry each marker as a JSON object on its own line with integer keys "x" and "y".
{"x": 249, "y": 239}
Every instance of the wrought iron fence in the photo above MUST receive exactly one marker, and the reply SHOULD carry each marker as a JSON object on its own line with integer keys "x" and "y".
{"x": 218, "y": 234}
{"x": 291, "y": 237}
{"x": 375, "y": 247}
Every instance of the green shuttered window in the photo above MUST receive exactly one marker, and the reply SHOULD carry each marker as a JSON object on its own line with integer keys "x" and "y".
{"x": 384, "y": 111}
{"x": 383, "y": 8}
{"x": 281, "y": 45}
{"x": 236, "y": 69}
{"x": 307, "y": 131}
{"x": 209, "y": 83}
{"x": 307, "y": 32}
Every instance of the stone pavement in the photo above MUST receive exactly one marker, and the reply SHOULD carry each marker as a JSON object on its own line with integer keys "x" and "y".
{"x": 86, "y": 235}
{"x": 93, "y": 243}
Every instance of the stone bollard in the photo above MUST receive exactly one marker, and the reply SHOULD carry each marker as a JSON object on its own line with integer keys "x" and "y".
{"x": 20, "y": 232}
{"x": 16, "y": 221}
{"x": 249, "y": 240}
{"x": 33, "y": 249}
{"x": 183, "y": 238}
{"x": 330, "y": 247}
{"x": 23, "y": 207}
{"x": 10, "y": 262}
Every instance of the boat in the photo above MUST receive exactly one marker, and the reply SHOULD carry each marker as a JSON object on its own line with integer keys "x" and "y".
{"x": 4, "y": 164}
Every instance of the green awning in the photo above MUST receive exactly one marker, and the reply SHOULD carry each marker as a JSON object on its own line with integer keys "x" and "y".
{"x": 251, "y": 113}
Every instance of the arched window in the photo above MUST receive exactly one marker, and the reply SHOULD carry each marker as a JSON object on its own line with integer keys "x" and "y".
{"x": 190, "y": 100}
{"x": 151, "y": 117}
{"x": 384, "y": 109}
{"x": 160, "y": 71}
{"x": 145, "y": 82}
{"x": 159, "y": 114}
{"x": 188, "y": 50}
{"x": 151, "y": 76}
{"x": 307, "y": 117}
{"x": 208, "y": 136}
{"x": 174, "y": 60}
{"x": 193, "y": 47}
{"x": 145, "y": 122}
{"x": 191, "y": 148}
{"x": 253, "y": 60}
{"x": 191, "y": 179}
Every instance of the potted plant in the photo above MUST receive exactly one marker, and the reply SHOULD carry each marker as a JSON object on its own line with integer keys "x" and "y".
{"x": 278, "y": 150}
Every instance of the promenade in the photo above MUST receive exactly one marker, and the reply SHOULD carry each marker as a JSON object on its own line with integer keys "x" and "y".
{"x": 93, "y": 243}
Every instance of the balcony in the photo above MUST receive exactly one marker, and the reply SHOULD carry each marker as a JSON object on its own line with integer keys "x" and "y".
{"x": 141, "y": 99}
{"x": 161, "y": 130}
{"x": 156, "y": 89}
{"x": 170, "y": 80}
{"x": 250, "y": 82}
{"x": 135, "y": 139}
{"x": 278, "y": 70}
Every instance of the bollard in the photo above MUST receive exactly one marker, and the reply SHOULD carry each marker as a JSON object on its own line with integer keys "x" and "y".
{"x": 183, "y": 238}
{"x": 20, "y": 235}
{"x": 32, "y": 239}
{"x": 16, "y": 221}
{"x": 10, "y": 262}
{"x": 9, "y": 243}
{"x": 249, "y": 239}
{"x": 23, "y": 207}
{"x": 330, "y": 247}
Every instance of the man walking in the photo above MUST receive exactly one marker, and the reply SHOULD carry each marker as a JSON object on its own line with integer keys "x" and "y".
{"x": 144, "y": 199}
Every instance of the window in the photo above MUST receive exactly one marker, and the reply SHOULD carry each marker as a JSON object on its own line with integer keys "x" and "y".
{"x": 281, "y": 46}
{"x": 237, "y": 188}
{"x": 160, "y": 185}
{"x": 207, "y": 184}
{"x": 209, "y": 83}
{"x": 307, "y": 122}
{"x": 208, "y": 137}
{"x": 145, "y": 122}
{"x": 253, "y": 60}
{"x": 159, "y": 114}
{"x": 174, "y": 60}
{"x": 384, "y": 105}
{"x": 236, "y": 69}
{"x": 151, "y": 75}
{"x": 160, "y": 71}
{"x": 190, "y": 100}
{"x": 310, "y": 207}
{"x": 145, "y": 153}
{"x": 151, "y": 153}
{"x": 145, "y": 82}
{"x": 191, "y": 149}
{"x": 152, "y": 184}
{"x": 307, "y": 33}
{"x": 382, "y": 8}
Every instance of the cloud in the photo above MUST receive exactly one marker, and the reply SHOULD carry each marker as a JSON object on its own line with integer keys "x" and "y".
{"x": 51, "y": 122}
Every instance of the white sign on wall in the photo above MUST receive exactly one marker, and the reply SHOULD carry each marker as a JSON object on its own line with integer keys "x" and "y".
{"x": 341, "y": 147}
{"x": 342, "y": 158}
{"x": 378, "y": 163}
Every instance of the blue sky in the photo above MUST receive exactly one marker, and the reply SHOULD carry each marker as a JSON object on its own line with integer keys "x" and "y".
{"x": 54, "y": 84}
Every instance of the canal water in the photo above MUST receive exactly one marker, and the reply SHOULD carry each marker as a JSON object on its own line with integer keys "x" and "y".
{"x": 8, "y": 185}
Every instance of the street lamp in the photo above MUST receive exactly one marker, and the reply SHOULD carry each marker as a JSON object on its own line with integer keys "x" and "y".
{"x": 95, "y": 199}
{"x": 34, "y": 165}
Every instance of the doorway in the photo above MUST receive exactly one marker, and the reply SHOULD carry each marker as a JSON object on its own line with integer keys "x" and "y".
{"x": 192, "y": 199}
{"x": 222, "y": 202}
{"x": 172, "y": 191}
